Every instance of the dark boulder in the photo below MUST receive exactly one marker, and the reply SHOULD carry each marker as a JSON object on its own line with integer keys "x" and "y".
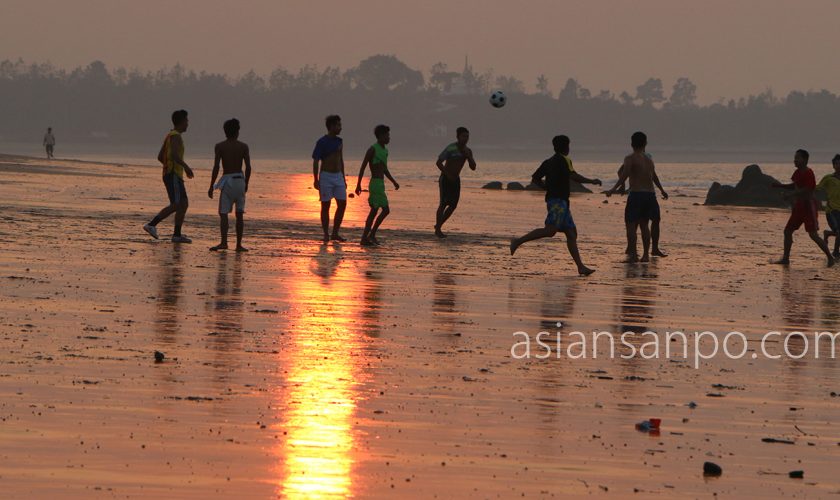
{"x": 753, "y": 190}
{"x": 492, "y": 185}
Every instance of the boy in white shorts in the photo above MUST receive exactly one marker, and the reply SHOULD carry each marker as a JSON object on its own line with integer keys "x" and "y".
{"x": 328, "y": 171}
{"x": 233, "y": 185}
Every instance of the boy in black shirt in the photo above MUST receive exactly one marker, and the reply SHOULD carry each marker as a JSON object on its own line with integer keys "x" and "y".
{"x": 557, "y": 171}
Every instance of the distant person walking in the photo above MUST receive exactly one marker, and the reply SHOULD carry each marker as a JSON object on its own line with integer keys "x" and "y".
{"x": 451, "y": 162}
{"x": 377, "y": 157}
{"x": 171, "y": 156}
{"x": 49, "y": 143}
{"x": 557, "y": 171}
{"x": 330, "y": 181}
{"x": 805, "y": 207}
{"x": 233, "y": 185}
{"x": 830, "y": 185}
{"x": 642, "y": 206}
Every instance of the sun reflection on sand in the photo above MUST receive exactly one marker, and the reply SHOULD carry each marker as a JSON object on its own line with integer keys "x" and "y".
{"x": 323, "y": 374}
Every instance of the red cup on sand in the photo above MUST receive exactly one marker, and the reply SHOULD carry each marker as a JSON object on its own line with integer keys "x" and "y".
{"x": 654, "y": 422}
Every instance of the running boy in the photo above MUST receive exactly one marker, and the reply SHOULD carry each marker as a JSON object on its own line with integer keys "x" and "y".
{"x": 233, "y": 185}
{"x": 377, "y": 157}
{"x": 804, "y": 209}
{"x": 830, "y": 184}
{"x": 557, "y": 171}
{"x": 450, "y": 163}
{"x": 171, "y": 156}
{"x": 329, "y": 178}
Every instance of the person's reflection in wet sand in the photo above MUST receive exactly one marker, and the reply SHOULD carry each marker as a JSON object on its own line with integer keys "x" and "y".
{"x": 635, "y": 315}
{"x": 170, "y": 291}
{"x": 227, "y": 311}
{"x": 799, "y": 313}
{"x": 557, "y": 306}
{"x": 325, "y": 263}
{"x": 797, "y": 294}
{"x": 372, "y": 310}
{"x": 444, "y": 301}
{"x": 829, "y": 310}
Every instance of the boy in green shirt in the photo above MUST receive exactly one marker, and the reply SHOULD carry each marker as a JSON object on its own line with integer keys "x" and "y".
{"x": 830, "y": 184}
{"x": 377, "y": 157}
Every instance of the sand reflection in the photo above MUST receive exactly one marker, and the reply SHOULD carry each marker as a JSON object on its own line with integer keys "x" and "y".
{"x": 324, "y": 370}
{"x": 169, "y": 297}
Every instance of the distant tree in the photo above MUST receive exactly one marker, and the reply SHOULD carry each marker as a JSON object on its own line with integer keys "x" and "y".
{"x": 626, "y": 98}
{"x": 605, "y": 95}
{"x": 650, "y": 93}
{"x": 281, "y": 79}
{"x": 510, "y": 84}
{"x": 573, "y": 91}
{"x": 440, "y": 78}
{"x": 251, "y": 82}
{"x": 384, "y": 73}
{"x": 683, "y": 95}
{"x": 542, "y": 86}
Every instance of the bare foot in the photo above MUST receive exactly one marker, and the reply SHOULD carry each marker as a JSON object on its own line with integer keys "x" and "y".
{"x": 631, "y": 259}
{"x": 326, "y": 238}
{"x": 659, "y": 253}
{"x": 240, "y": 248}
{"x": 645, "y": 258}
{"x": 336, "y": 237}
{"x": 439, "y": 233}
{"x": 366, "y": 242}
{"x": 585, "y": 271}
{"x": 220, "y": 246}
{"x": 374, "y": 240}
{"x": 513, "y": 246}
{"x": 782, "y": 262}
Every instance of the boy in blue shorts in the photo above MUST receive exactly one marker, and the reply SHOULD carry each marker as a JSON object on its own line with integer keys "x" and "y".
{"x": 830, "y": 184}
{"x": 557, "y": 171}
{"x": 377, "y": 157}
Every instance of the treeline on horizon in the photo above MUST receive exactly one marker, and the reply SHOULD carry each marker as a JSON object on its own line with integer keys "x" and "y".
{"x": 284, "y": 111}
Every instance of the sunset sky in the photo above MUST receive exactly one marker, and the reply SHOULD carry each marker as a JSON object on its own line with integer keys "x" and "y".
{"x": 728, "y": 48}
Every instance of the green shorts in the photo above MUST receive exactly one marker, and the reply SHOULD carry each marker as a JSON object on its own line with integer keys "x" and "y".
{"x": 376, "y": 194}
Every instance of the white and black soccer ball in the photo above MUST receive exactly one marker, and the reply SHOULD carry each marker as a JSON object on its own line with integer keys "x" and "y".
{"x": 498, "y": 99}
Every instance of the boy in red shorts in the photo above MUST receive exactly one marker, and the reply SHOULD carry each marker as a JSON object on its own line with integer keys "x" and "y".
{"x": 805, "y": 207}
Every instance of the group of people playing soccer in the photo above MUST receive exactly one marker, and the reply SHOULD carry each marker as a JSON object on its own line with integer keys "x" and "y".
{"x": 554, "y": 175}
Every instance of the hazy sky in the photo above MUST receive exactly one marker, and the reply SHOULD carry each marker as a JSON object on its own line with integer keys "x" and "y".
{"x": 728, "y": 47}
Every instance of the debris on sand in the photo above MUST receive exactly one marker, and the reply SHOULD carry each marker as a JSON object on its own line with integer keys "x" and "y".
{"x": 712, "y": 469}
{"x": 650, "y": 426}
{"x": 159, "y": 356}
{"x": 780, "y": 441}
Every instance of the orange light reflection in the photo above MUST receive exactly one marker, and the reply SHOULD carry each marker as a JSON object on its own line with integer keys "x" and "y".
{"x": 322, "y": 394}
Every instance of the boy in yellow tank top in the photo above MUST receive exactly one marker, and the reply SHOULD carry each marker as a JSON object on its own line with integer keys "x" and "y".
{"x": 171, "y": 156}
{"x": 377, "y": 157}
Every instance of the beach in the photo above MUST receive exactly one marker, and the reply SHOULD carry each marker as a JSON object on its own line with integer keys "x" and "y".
{"x": 303, "y": 370}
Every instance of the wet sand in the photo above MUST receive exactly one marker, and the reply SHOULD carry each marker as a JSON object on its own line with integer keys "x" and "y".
{"x": 308, "y": 371}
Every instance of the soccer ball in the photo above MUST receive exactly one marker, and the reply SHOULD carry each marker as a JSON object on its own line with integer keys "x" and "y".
{"x": 498, "y": 99}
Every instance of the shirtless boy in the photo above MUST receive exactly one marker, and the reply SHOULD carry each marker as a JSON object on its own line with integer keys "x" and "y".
{"x": 233, "y": 185}
{"x": 642, "y": 206}
{"x": 450, "y": 163}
